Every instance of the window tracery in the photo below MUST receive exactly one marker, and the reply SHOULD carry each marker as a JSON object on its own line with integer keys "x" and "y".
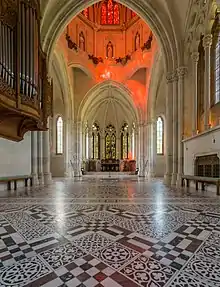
{"x": 160, "y": 136}
{"x": 110, "y": 14}
{"x": 110, "y": 142}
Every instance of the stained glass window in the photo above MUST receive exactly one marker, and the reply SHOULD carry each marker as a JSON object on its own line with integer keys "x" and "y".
{"x": 59, "y": 132}
{"x": 86, "y": 13}
{"x": 110, "y": 143}
{"x": 133, "y": 14}
{"x": 160, "y": 136}
{"x": 125, "y": 144}
{"x": 110, "y": 13}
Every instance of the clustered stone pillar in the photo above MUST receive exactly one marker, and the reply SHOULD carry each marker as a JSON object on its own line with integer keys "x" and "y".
{"x": 181, "y": 71}
{"x": 151, "y": 148}
{"x": 141, "y": 150}
{"x": 34, "y": 163}
{"x": 195, "y": 59}
{"x": 40, "y": 157}
{"x": 46, "y": 157}
{"x": 175, "y": 128}
{"x": 207, "y": 42}
{"x": 168, "y": 129}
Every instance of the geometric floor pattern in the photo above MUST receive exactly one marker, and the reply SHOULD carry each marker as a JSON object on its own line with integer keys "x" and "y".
{"x": 109, "y": 232}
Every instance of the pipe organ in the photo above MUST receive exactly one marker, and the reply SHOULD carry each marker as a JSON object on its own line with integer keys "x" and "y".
{"x": 25, "y": 89}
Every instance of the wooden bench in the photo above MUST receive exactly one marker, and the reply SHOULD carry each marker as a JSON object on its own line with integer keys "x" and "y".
{"x": 202, "y": 180}
{"x": 14, "y": 179}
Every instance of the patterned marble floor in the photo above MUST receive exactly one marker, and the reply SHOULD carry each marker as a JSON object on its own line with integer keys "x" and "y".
{"x": 111, "y": 233}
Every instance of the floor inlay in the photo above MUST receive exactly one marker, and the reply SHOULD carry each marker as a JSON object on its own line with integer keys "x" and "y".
{"x": 101, "y": 233}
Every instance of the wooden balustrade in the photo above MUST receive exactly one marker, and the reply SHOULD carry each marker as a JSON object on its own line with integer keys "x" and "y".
{"x": 25, "y": 90}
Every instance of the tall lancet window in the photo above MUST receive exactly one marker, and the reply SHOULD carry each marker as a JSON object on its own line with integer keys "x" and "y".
{"x": 160, "y": 136}
{"x": 110, "y": 13}
{"x": 59, "y": 133}
{"x": 125, "y": 142}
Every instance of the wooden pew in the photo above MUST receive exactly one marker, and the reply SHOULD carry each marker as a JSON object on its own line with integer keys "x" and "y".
{"x": 201, "y": 179}
{"x": 10, "y": 179}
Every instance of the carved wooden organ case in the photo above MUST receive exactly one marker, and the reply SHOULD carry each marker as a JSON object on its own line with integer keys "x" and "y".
{"x": 25, "y": 90}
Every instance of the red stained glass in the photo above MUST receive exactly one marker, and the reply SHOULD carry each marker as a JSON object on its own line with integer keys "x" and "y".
{"x": 86, "y": 13}
{"x": 110, "y": 13}
{"x": 133, "y": 14}
{"x": 104, "y": 14}
{"x": 116, "y": 14}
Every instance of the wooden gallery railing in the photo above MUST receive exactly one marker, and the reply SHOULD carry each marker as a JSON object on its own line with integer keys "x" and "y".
{"x": 25, "y": 90}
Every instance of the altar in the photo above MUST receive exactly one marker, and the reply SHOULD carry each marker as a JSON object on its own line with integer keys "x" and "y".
{"x": 110, "y": 164}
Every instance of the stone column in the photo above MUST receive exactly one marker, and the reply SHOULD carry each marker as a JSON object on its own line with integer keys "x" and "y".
{"x": 207, "y": 42}
{"x": 195, "y": 59}
{"x": 152, "y": 142}
{"x": 34, "y": 162}
{"x": 181, "y": 74}
{"x": 90, "y": 143}
{"x": 79, "y": 148}
{"x": 67, "y": 145}
{"x": 40, "y": 157}
{"x": 118, "y": 145}
{"x": 137, "y": 147}
{"x": 74, "y": 148}
{"x": 175, "y": 129}
{"x": 141, "y": 150}
{"x": 169, "y": 131}
{"x": 46, "y": 157}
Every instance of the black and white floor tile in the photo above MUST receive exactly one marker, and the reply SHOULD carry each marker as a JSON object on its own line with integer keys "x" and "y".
{"x": 99, "y": 232}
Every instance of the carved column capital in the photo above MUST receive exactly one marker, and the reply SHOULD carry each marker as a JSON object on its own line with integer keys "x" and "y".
{"x": 181, "y": 72}
{"x": 195, "y": 56}
{"x": 207, "y": 41}
{"x": 171, "y": 76}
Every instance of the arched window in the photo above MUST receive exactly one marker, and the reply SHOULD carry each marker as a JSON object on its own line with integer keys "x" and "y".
{"x": 59, "y": 133}
{"x": 215, "y": 61}
{"x": 110, "y": 13}
{"x": 160, "y": 136}
{"x": 125, "y": 144}
{"x": 110, "y": 142}
{"x": 95, "y": 142}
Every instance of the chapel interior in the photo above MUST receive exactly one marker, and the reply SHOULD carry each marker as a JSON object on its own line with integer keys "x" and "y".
{"x": 110, "y": 143}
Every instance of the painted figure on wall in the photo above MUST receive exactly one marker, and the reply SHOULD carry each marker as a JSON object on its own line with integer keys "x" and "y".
{"x": 109, "y": 50}
{"x": 82, "y": 45}
{"x": 137, "y": 41}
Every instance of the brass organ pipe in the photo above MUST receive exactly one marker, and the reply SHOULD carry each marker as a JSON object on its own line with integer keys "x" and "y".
{"x": 3, "y": 51}
{"x": 26, "y": 55}
{"x": 1, "y": 43}
{"x": 17, "y": 54}
{"x": 31, "y": 50}
{"x": 12, "y": 58}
